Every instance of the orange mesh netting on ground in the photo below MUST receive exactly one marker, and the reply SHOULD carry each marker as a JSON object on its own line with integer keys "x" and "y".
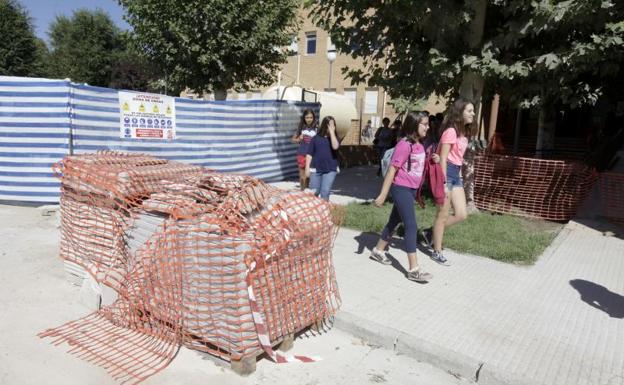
{"x": 220, "y": 263}
{"x": 547, "y": 189}
{"x": 612, "y": 196}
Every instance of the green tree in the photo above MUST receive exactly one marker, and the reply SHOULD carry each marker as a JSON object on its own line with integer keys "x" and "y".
{"x": 214, "y": 45}
{"x": 132, "y": 69}
{"x": 549, "y": 54}
{"x": 20, "y": 51}
{"x": 535, "y": 53}
{"x": 85, "y": 47}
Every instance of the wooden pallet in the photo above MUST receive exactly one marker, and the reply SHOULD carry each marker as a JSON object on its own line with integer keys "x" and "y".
{"x": 246, "y": 365}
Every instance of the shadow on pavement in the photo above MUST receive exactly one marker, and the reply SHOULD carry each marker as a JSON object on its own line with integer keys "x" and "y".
{"x": 600, "y": 297}
{"x": 367, "y": 240}
{"x": 358, "y": 182}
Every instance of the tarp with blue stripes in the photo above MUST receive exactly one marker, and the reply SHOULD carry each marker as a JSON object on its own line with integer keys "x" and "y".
{"x": 38, "y": 117}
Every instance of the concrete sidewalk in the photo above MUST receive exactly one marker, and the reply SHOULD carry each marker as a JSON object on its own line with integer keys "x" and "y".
{"x": 560, "y": 321}
{"x": 354, "y": 184}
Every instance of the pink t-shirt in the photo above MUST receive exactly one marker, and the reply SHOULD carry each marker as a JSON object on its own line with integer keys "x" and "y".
{"x": 458, "y": 146}
{"x": 399, "y": 160}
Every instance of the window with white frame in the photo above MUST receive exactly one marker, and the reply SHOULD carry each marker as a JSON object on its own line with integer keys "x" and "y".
{"x": 370, "y": 100}
{"x": 351, "y": 93}
{"x": 293, "y": 48}
{"x": 310, "y": 43}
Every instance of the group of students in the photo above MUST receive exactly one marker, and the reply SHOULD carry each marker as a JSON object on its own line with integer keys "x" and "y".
{"x": 317, "y": 156}
{"x": 414, "y": 152}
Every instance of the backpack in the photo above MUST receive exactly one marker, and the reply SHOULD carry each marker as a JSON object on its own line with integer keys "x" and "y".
{"x": 387, "y": 159}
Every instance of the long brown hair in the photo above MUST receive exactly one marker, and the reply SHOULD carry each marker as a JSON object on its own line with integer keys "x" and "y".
{"x": 455, "y": 118}
{"x": 323, "y": 131}
{"x": 302, "y": 123}
{"x": 410, "y": 124}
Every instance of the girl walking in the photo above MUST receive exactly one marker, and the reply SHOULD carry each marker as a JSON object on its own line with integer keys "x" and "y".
{"x": 402, "y": 181}
{"x": 322, "y": 159}
{"x": 303, "y": 136}
{"x": 453, "y": 143}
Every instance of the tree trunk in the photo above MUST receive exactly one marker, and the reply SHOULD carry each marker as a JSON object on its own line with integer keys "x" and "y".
{"x": 471, "y": 88}
{"x": 220, "y": 94}
{"x": 546, "y": 131}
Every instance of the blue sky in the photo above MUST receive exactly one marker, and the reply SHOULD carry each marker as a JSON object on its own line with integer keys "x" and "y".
{"x": 43, "y": 12}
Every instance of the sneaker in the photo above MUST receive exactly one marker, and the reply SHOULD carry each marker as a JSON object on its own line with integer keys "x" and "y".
{"x": 427, "y": 236}
{"x": 418, "y": 276}
{"x": 439, "y": 258}
{"x": 380, "y": 257}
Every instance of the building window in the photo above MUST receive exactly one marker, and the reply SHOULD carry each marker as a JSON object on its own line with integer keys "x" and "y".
{"x": 370, "y": 101}
{"x": 293, "y": 48}
{"x": 351, "y": 93}
{"x": 310, "y": 43}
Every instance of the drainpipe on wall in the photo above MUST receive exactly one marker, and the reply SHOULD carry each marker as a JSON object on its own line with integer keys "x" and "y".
{"x": 298, "y": 68}
{"x": 383, "y": 107}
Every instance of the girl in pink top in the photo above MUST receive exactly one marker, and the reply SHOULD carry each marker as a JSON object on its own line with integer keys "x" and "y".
{"x": 453, "y": 143}
{"x": 402, "y": 181}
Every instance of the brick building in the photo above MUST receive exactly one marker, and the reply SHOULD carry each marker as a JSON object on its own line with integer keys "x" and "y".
{"x": 309, "y": 67}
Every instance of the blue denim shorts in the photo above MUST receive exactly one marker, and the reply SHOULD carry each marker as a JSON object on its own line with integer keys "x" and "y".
{"x": 453, "y": 176}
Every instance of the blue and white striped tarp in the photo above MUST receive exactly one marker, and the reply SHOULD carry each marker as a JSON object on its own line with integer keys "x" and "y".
{"x": 37, "y": 117}
{"x": 34, "y": 134}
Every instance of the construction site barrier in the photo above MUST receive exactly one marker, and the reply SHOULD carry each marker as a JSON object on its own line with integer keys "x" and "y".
{"x": 537, "y": 188}
{"x": 43, "y": 120}
{"x": 612, "y": 196}
{"x": 221, "y": 263}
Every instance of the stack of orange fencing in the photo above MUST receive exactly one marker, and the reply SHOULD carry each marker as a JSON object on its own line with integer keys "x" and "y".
{"x": 547, "y": 189}
{"x": 191, "y": 253}
{"x": 612, "y": 196}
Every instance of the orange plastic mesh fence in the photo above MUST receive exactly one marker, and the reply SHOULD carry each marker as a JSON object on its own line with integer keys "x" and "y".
{"x": 548, "y": 189}
{"x": 612, "y": 196}
{"x": 186, "y": 248}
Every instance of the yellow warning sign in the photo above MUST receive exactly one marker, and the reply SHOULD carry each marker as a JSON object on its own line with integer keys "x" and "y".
{"x": 146, "y": 116}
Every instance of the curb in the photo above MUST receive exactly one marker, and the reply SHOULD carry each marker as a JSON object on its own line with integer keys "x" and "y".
{"x": 457, "y": 364}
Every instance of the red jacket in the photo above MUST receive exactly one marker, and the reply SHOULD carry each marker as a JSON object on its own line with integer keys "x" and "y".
{"x": 433, "y": 173}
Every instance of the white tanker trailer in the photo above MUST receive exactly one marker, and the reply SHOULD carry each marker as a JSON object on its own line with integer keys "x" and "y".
{"x": 338, "y": 106}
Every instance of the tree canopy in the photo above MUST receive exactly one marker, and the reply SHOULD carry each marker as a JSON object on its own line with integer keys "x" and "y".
{"x": 85, "y": 47}
{"x": 214, "y": 45}
{"x": 21, "y": 52}
{"x": 564, "y": 51}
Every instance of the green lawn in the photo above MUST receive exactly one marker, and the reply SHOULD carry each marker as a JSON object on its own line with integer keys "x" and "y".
{"x": 502, "y": 237}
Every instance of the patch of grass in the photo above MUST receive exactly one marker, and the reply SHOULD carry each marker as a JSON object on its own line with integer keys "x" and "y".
{"x": 501, "y": 237}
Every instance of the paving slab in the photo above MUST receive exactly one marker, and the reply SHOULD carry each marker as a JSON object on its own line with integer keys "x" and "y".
{"x": 560, "y": 321}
